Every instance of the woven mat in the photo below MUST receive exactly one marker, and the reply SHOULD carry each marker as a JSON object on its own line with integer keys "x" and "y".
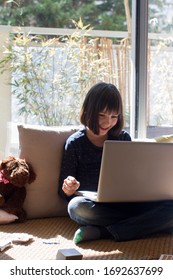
{"x": 62, "y": 229}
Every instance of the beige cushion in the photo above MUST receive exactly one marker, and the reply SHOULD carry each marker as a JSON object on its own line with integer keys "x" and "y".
{"x": 161, "y": 139}
{"x": 42, "y": 147}
{"x": 165, "y": 139}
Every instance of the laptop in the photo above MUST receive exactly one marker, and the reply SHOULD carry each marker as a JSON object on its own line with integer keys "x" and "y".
{"x": 134, "y": 171}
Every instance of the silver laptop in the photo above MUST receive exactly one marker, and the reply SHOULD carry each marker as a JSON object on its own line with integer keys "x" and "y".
{"x": 134, "y": 171}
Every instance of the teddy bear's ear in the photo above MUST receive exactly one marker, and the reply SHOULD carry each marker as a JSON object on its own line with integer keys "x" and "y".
{"x": 32, "y": 175}
{"x": 5, "y": 161}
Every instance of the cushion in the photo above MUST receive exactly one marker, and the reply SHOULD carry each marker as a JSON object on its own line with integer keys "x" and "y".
{"x": 165, "y": 138}
{"x": 6, "y": 218}
{"x": 42, "y": 147}
{"x": 161, "y": 139}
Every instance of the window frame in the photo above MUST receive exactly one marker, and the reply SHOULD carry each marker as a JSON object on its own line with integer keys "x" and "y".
{"x": 138, "y": 125}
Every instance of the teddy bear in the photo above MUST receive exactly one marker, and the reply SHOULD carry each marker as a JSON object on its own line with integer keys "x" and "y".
{"x": 15, "y": 173}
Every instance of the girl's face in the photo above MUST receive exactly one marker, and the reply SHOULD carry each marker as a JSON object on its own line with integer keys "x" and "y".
{"x": 106, "y": 121}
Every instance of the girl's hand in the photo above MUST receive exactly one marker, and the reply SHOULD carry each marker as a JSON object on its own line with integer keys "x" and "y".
{"x": 70, "y": 185}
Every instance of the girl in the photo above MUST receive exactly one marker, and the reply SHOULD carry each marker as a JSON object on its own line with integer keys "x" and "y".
{"x": 102, "y": 117}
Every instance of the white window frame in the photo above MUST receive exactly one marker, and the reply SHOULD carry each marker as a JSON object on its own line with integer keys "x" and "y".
{"x": 138, "y": 123}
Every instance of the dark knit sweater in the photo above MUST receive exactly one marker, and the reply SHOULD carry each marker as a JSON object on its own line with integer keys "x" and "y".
{"x": 82, "y": 160}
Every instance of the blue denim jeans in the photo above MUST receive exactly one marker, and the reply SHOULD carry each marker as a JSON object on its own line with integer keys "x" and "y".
{"x": 125, "y": 221}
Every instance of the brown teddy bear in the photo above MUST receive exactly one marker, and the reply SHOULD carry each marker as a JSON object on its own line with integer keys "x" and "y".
{"x": 15, "y": 173}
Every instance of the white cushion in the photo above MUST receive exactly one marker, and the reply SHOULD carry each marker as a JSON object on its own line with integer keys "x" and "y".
{"x": 6, "y": 218}
{"x": 42, "y": 147}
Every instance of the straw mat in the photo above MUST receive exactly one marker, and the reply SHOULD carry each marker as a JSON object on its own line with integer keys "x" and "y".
{"x": 51, "y": 234}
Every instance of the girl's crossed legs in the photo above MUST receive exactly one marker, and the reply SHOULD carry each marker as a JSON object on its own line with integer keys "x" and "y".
{"x": 121, "y": 221}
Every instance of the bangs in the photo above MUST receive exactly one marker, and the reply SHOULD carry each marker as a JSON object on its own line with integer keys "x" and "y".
{"x": 110, "y": 102}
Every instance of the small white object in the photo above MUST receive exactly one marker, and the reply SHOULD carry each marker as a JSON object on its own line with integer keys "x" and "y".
{"x": 4, "y": 244}
{"x": 21, "y": 237}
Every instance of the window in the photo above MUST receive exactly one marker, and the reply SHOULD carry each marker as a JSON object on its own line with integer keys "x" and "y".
{"x": 160, "y": 65}
{"x": 136, "y": 41}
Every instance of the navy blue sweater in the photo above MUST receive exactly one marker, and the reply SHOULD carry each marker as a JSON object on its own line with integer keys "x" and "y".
{"x": 82, "y": 160}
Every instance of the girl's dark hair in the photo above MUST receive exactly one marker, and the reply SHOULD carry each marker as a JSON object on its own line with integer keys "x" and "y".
{"x": 100, "y": 97}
